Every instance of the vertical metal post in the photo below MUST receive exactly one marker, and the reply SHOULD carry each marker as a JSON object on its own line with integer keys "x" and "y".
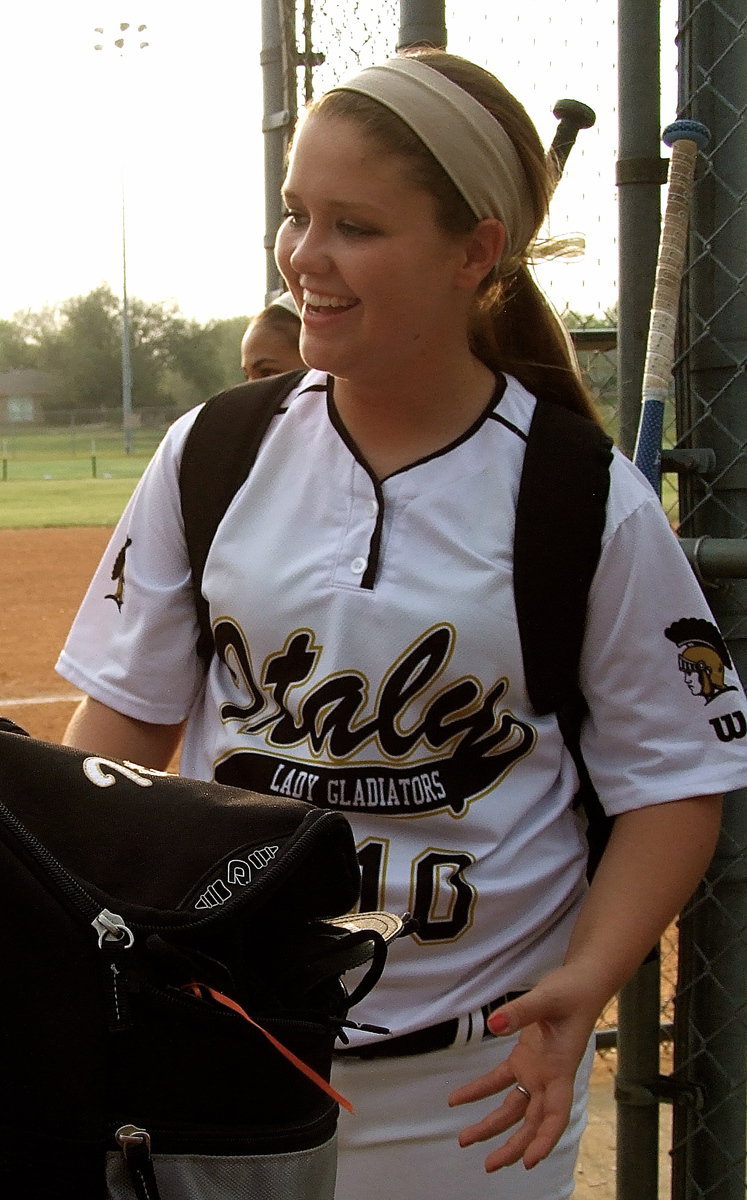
{"x": 639, "y": 179}
{"x": 636, "y": 1085}
{"x": 422, "y": 22}
{"x": 713, "y": 63}
{"x": 127, "y": 38}
{"x": 279, "y": 115}
{"x": 711, "y": 1035}
{"x": 126, "y": 348}
{"x": 310, "y": 59}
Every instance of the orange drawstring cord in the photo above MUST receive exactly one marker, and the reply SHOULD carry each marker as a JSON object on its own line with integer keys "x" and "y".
{"x": 197, "y": 989}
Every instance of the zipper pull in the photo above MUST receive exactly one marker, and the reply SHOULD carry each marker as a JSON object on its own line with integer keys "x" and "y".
{"x": 134, "y": 1143}
{"x": 114, "y": 937}
{"x": 110, "y": 927}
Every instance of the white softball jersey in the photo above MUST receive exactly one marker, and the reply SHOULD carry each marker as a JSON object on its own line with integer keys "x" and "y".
{"x": 368, "y": 660}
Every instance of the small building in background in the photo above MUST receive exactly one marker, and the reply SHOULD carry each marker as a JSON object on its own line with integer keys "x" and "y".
{"x": 22, "y": 395}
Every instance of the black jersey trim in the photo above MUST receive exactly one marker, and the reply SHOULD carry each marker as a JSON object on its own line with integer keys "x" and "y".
{"x": 509, "y": 425}
{"x": 339, "y": 426}
{"x": 368, "y": 578}
{"x": 313, "y": 387}
{"x": 485, "y": 415}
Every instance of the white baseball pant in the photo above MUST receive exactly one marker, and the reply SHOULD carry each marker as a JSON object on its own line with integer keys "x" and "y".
{"x": 401, "y": 1144}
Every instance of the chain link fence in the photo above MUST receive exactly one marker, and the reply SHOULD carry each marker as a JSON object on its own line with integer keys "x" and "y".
{"x": 710, "y": 1064}
{"x": 74, "y": 444}
{"x": 656, "y": 62}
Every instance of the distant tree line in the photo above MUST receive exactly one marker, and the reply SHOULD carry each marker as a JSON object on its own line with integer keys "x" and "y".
{"x": 176, "y": 362}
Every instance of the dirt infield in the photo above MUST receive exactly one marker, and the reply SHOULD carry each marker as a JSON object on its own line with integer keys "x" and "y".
{"x": 43, "y": 578}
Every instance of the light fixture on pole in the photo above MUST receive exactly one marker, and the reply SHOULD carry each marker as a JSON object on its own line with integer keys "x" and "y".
{"x": 125, "y": 36}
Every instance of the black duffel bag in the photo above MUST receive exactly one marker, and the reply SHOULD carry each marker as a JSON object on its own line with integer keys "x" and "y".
{"x": 173, "y": 957}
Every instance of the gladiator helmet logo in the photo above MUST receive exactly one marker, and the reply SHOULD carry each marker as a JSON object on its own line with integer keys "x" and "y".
{"x": 118, "y": 575}
{"x": 703, "y": 657}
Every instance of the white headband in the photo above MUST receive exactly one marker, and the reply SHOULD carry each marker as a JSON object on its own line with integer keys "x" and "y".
{"x": 474, "y": 150}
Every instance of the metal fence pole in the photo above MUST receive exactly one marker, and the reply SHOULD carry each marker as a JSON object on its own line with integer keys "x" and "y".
{"x": 639, "y": 178}
{"x": 279, "y": 113}
{"x": 422, "y": 21}
{"x": 636, "y": 1085}
{"x": 710, "y": 1029}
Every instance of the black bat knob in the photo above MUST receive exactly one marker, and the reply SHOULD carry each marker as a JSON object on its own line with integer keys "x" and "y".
{"x": 573, "y": 116}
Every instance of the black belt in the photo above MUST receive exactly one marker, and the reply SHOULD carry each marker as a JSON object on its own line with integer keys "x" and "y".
{"x": 433, "y": 1037}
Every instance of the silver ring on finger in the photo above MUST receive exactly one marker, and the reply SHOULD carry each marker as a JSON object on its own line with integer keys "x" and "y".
{"x": 523, "y": 1091}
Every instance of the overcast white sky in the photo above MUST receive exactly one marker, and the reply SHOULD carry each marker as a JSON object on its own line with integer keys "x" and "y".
{"x": 192, "y": 143}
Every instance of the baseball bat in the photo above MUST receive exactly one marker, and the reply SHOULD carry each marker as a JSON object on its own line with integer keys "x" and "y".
{"x": 686, "y": 138}
{"x": 572, "y": 116}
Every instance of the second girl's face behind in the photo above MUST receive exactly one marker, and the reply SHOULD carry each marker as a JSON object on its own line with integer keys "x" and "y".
{"x": 266, "y": 351}
{"x": 380, "y": 285}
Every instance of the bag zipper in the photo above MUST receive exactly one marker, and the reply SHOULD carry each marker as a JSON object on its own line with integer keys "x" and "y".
{"x": 219, "y": 1143}
{"x": 134, "y": 1143}
{"x": 113, "y": 933}
{"x": 109, "y": 926}
{"x": 112, "y": 929}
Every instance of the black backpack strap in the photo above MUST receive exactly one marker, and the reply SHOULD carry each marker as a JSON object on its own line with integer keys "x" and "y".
{"x": 557, "y": 543}
{"x": 560, "y": 519}
{"x": 218, "y": 455}
{"x": 598, "y": 824}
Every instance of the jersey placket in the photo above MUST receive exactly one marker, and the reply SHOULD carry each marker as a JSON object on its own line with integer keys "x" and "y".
{"x": 360, "y": 543}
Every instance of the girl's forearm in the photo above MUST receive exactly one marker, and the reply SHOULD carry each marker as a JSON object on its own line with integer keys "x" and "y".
{"x": 655, "y": 858}
{"x": 98, "y": 729}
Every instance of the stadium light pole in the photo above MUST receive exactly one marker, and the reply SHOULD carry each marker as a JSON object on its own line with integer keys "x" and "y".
{"x": 126, "y": 36}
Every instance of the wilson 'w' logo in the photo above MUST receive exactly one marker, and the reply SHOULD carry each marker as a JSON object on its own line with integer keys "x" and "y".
{"x": 238, "y": 873}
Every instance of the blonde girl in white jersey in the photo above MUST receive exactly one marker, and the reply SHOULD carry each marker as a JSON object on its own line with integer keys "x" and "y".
{"x": 414, "y": 194}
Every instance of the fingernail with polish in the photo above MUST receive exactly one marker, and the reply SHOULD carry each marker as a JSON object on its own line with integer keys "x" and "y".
{"x": 497, "y": 1023}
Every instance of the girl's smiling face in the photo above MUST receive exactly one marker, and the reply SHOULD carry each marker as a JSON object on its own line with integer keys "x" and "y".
{"x": 380, "y": 285}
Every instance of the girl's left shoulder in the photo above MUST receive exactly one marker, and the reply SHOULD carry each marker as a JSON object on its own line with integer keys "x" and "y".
{"x": 630, "y": 492}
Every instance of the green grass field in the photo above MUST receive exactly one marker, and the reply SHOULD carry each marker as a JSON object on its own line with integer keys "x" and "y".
{"x": 94, "y": 467}
{"x": 74, "y": 444}
{"x": 69, "y": 477}
{"x": 34, "y": 503}
{"x": 54, "y": 478}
